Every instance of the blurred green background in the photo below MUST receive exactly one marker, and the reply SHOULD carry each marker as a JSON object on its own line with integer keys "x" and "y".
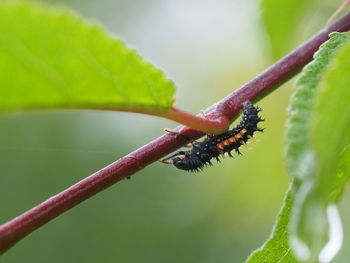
{"x": 209, "y": 48}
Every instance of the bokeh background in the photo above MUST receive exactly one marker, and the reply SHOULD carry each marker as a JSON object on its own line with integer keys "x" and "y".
{"x": 209, "y": 48}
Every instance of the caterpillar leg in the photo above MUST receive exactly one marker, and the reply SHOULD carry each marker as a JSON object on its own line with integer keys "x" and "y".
{"x": 245, "y": 144}
{"x": 254, "y": 139}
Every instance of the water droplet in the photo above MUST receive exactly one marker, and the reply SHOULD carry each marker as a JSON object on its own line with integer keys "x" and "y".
{"x": 330, "y": 250}
{"x": 315, "y": 227}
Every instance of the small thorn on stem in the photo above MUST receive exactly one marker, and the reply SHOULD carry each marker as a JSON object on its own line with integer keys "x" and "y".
{"x": 170, "y": 131}
{"x": 203, "y": 114}
{"x": 176, "y": 133}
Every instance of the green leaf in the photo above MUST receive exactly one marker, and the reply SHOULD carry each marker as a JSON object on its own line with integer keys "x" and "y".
{"x": 342, "y": 175}
{"x": 276, "y": 248}
{"x": 280, "y": 19}
{"x": 305, "y": 199}
{"x": 52, "y": 58}
{"x": 301, "y": 107}
{"x": 331, "y": 127}
{"x": 317, "y": 136}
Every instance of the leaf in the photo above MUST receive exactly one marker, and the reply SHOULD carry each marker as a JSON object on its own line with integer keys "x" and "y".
{"x": 280, "y": 19}
{"x": 52, "y": 58}
{"x": 331, "y": 127}
{"x": 301, "y": 108}
{"x": 312, "y": 156}
{"x": 299, "y": 204}
{"x": 276, "y": 248}
{"x": 342, "y": 175}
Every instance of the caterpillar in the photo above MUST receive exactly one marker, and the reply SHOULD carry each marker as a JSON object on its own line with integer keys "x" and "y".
{"x": 215, "y": 145}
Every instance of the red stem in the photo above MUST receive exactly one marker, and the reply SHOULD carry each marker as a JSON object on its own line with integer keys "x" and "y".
{"x": 210, "y": 123}
{"x": 18, "y": 228}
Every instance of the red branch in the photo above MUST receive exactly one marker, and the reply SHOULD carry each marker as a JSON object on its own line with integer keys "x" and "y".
{"x": 287, "y": 67}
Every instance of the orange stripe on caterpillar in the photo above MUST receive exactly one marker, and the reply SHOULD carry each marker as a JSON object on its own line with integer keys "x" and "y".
{"x": 215, "y": 145}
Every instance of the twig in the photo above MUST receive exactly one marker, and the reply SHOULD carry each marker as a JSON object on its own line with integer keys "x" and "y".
{"x": 19, "y": 227}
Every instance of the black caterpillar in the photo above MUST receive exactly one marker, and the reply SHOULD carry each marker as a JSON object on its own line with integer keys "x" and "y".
{"x": 215, "y": 145}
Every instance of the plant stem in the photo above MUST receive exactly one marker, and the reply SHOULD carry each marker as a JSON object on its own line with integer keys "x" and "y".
{"x": 227, "y": 108}
{"x": 210, "y": 123}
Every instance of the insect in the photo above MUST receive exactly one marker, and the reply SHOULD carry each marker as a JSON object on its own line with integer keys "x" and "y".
{"x": 215, "y": 145}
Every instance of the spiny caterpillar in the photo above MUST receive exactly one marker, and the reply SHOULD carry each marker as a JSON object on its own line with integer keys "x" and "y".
{"x": 215, "y": 145}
